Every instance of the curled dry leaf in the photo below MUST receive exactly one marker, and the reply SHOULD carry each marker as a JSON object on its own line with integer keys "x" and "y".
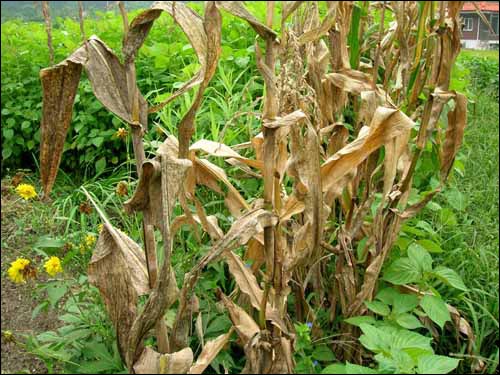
{"x": 248, "y": 284}
{"x": 118, "y": 269}
{"x": 152, "y": 362}
{"x": 236, "y": 8}
{"x": 59, "y": 84}
{"x": 350, "y": 80}
{"x": 457, "y": 119}
{"x": 209, "y": 352}
{"x": 245, "y": 326}
{"x": 387, "y": 123}
{"x": 221, "y": 150}
{"x": 148, "y": 192}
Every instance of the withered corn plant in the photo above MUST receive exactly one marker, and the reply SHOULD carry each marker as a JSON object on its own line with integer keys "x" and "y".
{"x": 349, "y": 107}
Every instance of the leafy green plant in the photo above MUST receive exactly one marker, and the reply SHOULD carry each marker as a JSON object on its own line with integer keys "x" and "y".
{"x": 85, "y": 343}
{"x": 398, "y": 348}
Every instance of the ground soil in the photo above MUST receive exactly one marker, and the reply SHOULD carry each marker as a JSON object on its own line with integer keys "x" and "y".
{"x": 18, "y": 300}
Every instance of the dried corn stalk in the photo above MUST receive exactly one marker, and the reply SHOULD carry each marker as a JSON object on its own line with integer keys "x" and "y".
{"x": 314, "y": 70}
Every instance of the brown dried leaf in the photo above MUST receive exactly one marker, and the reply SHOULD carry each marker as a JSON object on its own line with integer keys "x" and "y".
{"x": 457, "y": 120}
{"x": 287, "y": 120}
{"x": 148, "y": 193}
{"x": 236, "y": 8}
{"x": 152, "y": 362}
{"x": 243, "y": 323}
{"x": 387, "y": 123}
{"x": 248, "y": 284}
{"x": 350, "y": 80}
{"x": 317, "y": 32}
{"x": 191, "y": 24}
{"x": 59, "y": 83}
{"x": 209, "y": 352}
{"x": 118, "y": 270}
{"x": 221, "y": 150}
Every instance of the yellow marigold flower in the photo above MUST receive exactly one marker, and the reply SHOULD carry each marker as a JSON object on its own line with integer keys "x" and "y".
{"x": 26, "y": 191}
{"x": 121, "y": 133}
{"x": 53, "y": 266}
{"x": 16, "y": 269}
{"x": 89, "y": 240}
{"x": 99, "y": 227}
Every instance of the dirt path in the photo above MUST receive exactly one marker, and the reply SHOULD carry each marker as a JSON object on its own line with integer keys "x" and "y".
{"x": 18, "y": 300}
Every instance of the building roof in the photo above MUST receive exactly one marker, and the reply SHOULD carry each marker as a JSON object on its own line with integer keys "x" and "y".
{"x": 488, "y": 6}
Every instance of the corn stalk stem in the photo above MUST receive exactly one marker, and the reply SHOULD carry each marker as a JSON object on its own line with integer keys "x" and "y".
{"x": 48, "y": 27}
{"x": 138, "y": 146}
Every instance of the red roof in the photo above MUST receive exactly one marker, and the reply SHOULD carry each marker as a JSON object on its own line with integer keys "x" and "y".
{"x": 488, "y": 6}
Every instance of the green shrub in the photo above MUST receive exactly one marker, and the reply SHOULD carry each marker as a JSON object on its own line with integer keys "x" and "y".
{"x": 164, "y": 62}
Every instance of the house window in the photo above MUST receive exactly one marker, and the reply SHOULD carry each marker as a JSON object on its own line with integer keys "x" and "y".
{"x": 468, "y": 23}
{"x": 494, "y": 22}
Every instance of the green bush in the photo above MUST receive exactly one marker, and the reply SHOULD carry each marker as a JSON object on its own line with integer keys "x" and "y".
{"x": 164, "y": 63}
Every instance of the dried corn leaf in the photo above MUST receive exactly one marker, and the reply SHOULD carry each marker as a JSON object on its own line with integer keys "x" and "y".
{"x": 457, "y": 120}
{"x": 59, "y": 85}
{"x": 350, "y": 80}
{"x": 236, "y": 8}
{"x": 245, "y": 326}
{"x": 152, "y": 362}
{"x": 289, "y": 7}
{"x": 248, "y": 284}
{"x": 212, "y": 24}
{"x": 292, "y": 206}
{"x": 317, "y": 32}
{"x": 287, "y": 120}
{"x": 191, "y": 24}
{"x": 118, "y": 269}
{"x": 255, "y": 253}
{"x": 209, "y": 352}
{"x": 304, "y": 167}
{"x": 386, "y": 124}
{"x": 221, "y": 150}
{"x": 109, "y": 83}
{"x": 148, "y": 193}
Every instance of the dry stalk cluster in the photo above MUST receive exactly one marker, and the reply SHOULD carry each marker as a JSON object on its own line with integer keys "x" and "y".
{"x": 394, "y": 81}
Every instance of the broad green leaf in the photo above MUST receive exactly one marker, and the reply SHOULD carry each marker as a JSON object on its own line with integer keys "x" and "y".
{"x": 436, "y": 364}
{"x": 336, "y": 368}
{"x": 357, "y": 320}
{"x": 436, "y": 309}
{"x": 404, "y": 339}
{"x": 404, "y": 303}
{"x": 97, "y": 141}
{"x": 323, "y": 353}
{"x": 378, "y": 307}
{"x": 8, "y": 133}
{"x": 351, "y": 368}
{"x": 55, "y": 292}
{"x": 402, "y": 271}
{"x": 100, "y": 165}
{"x": 49, "y": 336}
{"x": 408, "y": 321}
{"x": 6, "y": 152}
{"x": 36, "y": 311}
{"x": 449, "y": 277}
{"x": 388, "y": 295}
{"x": 456, "y": 199}
{"x": 374, "y": 339}
{"x": 430, "y": 246}
{"x": 420, "y": 257}
{"x": 447, "y": 217}
{"x": 395, "y": 362}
